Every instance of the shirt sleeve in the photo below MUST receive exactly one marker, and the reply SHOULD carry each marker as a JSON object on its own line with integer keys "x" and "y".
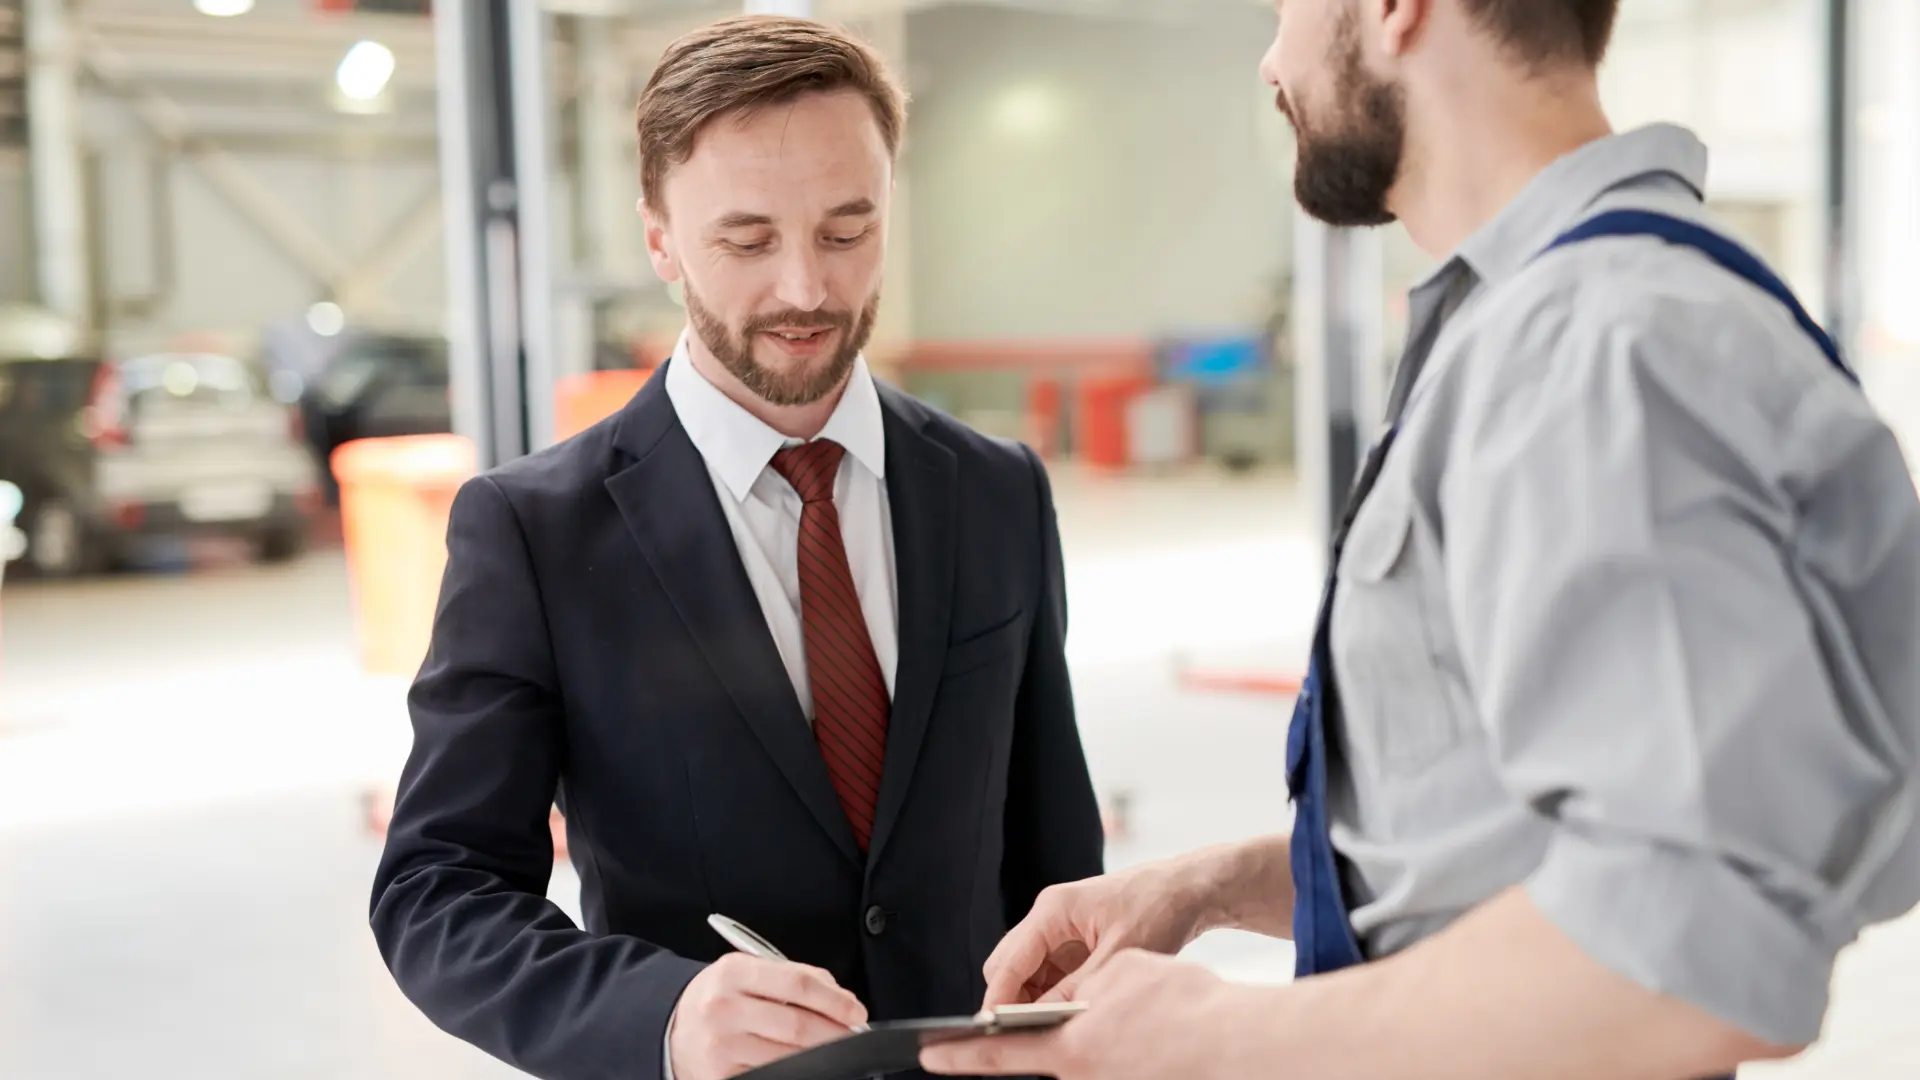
{"x": 666, "y": 1047}
{"x": 1617, "y": 557}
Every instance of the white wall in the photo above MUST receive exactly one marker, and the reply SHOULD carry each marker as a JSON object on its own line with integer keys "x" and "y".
{"x": 1886, "y": 209}
{"x": 1087, "y": 177}
{"x": 1746, "y": 77}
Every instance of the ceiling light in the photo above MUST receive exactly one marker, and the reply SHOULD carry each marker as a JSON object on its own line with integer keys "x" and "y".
{"x": 223, "y": 9}
{"x": 365, "y": 70}
{"x": 180, "y": 379}
{"x": 326, "y": 318}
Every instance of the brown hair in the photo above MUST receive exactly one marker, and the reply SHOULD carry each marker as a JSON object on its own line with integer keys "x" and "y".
{"x": 1542, "y": 33}
{"x": 739, "y": 65}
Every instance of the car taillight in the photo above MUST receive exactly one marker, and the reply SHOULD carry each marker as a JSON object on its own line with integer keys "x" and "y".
{"x": 105, "y": 418}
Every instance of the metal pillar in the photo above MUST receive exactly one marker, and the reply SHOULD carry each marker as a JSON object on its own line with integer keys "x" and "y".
{"x": 608, "y": 185}
{"x": 528, "y": 26}
{"x": 54, "y": 161}
{"x": 1339, "y": 366}
{"x": 1838, "y": 148}
{"x": 495, "y": 176}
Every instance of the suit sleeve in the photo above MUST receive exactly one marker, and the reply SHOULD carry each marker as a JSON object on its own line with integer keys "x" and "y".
{"x": 1053, "y": 828}
{"x": 459, "y": 901}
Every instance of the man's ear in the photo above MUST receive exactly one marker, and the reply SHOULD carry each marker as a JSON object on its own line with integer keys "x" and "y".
{"x": 666, "y": 264}
{"x": 1398, "y": 22}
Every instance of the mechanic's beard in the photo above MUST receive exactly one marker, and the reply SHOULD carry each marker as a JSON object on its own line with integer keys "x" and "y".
{"x": 805, "y": 383}
{"x": 1344, "y": 174}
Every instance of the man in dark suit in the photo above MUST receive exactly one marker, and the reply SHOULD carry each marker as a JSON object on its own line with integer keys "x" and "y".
{"x": 782, "y": 643}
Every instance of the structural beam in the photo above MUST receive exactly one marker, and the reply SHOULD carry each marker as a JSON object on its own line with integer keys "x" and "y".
{"x": 494, "y": 172}
{"x": 528, "y": 34}
{"x": 54, "y": 154}
{"x": 1339, "y": 361}
{"x": 359, "y": 291}
{"x": 1838, "y": 145}
{"x": 255, "y": 200}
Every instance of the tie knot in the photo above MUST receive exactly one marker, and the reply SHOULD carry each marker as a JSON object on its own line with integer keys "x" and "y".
{"x": 811, "y": 468}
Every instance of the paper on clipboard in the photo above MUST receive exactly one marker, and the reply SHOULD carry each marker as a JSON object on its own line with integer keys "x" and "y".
{"x": 894, "y": 1046}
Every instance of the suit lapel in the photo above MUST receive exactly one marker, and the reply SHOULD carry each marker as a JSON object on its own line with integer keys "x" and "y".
{"x": 668, "y": 501}
{"x": 922, "y": 488}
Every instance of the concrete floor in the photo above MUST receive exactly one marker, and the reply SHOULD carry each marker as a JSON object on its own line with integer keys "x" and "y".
{"x": 184, "y": 863}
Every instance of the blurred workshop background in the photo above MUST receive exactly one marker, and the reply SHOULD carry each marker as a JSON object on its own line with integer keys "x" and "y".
{"x": 256, "y": 267}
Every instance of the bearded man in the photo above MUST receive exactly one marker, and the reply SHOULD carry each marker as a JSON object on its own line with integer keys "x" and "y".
{"x": 1608, "y": 743}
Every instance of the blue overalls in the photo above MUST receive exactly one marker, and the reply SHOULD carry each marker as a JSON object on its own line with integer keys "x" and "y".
{"x": 1322, "y": 930}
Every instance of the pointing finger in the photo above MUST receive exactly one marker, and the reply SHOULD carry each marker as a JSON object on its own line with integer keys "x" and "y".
{"x": 1006, "y": 1055}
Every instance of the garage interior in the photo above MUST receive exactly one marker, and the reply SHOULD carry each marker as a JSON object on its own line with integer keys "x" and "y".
{"x": 193, "y": 744}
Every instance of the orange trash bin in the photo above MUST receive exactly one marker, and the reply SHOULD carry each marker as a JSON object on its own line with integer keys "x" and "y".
{"x": 395, "y": 495}
{"x": 1100, "y": 418}
{"x": 1044, "y": 406}
{"x": 581, "y": 401}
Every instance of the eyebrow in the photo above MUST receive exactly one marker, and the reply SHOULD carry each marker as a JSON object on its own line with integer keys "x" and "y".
{"x": 743, "y": 219}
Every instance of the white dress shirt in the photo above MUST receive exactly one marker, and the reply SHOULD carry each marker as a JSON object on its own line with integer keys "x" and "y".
{"x": 763, "y": 510}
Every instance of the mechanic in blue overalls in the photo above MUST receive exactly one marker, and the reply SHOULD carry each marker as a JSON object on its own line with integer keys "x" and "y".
{"x": 1609, "y": 740}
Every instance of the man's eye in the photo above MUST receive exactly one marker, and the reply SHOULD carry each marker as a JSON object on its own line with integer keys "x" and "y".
{"x": 748, "y": 249}
{"x": 846, "y": 241}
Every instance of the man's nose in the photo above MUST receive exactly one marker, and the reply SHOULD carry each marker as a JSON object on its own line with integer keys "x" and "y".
{"x": 1270, "y": 63}
{"x": 803, "y": 279}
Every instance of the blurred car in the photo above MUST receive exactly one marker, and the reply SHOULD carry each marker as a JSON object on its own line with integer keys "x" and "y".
{"x": 109, "y": 453}
{"x": 13, "y": 542}
{"x": 377, "y": 386}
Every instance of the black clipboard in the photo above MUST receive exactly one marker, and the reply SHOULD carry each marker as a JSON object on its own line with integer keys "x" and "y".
{"x": 894, "y": 1046}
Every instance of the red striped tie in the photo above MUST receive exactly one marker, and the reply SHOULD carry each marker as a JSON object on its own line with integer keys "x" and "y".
{"x": 850, "y": 702}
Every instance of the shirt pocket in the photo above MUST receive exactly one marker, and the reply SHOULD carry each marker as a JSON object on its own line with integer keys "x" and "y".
{"x": 1393, "y": 696}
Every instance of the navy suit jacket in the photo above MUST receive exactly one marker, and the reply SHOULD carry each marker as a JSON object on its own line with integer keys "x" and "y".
{"x": 597, "y": 644}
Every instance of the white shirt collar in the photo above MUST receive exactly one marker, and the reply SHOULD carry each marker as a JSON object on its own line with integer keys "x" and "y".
{"x": 738, "y": 445}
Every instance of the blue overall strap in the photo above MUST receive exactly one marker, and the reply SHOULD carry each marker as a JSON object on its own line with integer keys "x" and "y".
{"x": 1731, "y": 256}
{"x": 1323, "y": 938}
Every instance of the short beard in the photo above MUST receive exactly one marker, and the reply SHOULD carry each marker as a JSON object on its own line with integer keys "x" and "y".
{"x": 803, "y": 385}
{"x": 1345, "y": 175}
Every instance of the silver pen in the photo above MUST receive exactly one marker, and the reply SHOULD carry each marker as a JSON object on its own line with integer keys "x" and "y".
{"x": 746, "y": 941}
{"x": 743, "y": 939}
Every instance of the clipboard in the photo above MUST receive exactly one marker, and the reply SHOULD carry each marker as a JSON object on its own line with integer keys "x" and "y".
{"x": 894, "y": 1046}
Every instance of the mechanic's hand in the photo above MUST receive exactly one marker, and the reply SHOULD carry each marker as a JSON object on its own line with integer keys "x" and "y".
{"x": 1074, "y": 928}
{"x": 1148, "y": 1017}
{"x": 744, "y": 1011}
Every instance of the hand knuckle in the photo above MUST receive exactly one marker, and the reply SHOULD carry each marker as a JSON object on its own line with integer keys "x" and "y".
{"x": 728, "y": 970}
{"x": 791, "y": 1029}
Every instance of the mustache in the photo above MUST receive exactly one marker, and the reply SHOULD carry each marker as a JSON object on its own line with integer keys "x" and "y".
{"x": 1280, "y": 103}
{"x": 794, "y": 318}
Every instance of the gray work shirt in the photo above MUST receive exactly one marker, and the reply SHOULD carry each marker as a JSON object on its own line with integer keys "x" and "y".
{"x": 1632, "y": 615}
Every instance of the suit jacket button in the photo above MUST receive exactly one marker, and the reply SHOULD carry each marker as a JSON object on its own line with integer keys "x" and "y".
{"x": 876, "y": 920}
